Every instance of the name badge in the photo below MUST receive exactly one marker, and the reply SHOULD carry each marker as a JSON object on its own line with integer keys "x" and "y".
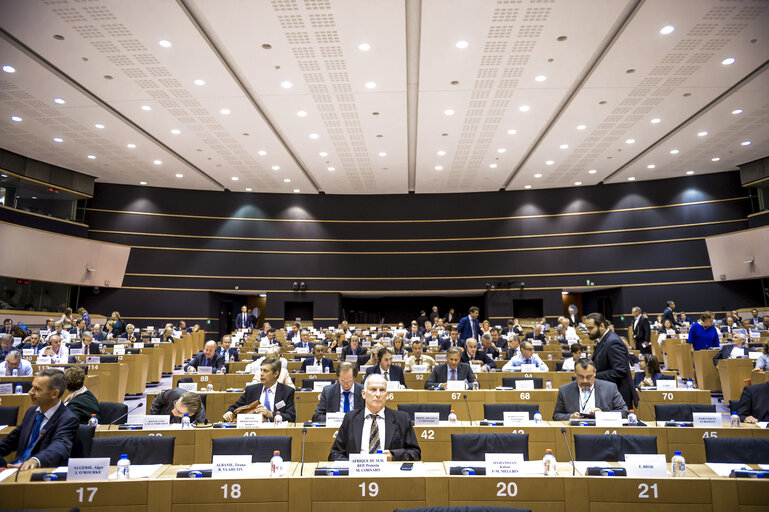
{"x": 419, "y": 368}
{"x": 433, "y": 343}
{"x": 16, "y": 340}
{"x": 440, "y": 358}
{"x": 371, "y": 464}
{"x": 666, "y": 384}
{"x": 536, "y": 343}
{"x": 205, "y": 370}
{"x": 230, "y": 466}
{"x": 43, "y": 360}
{"x": 608, "y": 419}
{"x": 334, "y": 419}
{"x": 187, "y": 386}
{"x": 526, "y": 384}
{"x": 393, "y": 385}
{"x": 424, "y": 419}
{"x": 504, "y": 463}
{"x": 314, "y": 369}
{"x": 339, "y": 350}
{"x": 249, "y": 420}
{"x": 529, "y": 368}
{"x": 515, "y": 418}
{"x": 475, "y": 367}
{"x": 455, "y": 385}
{"x": 318, "y": 386}
{"x": 138, "y": 344}
{"x": 149, "y": 328}
{"x": 366, "y": 343}
{"x": 706, "y": 419}
{"x": 87, "y": 469}
{"x": 645, "y": 466}
{"x": 156, "y": 420}
{"x": 76, "y": 351}
{"x": 122, "y": 340}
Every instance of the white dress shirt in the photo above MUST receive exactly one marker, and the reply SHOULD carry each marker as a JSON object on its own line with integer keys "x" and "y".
{"x": 272, "y": 396}
{"x": 25, "y": 369}
{"x": 587, "y": 400}
{"x": 366, "y": 435}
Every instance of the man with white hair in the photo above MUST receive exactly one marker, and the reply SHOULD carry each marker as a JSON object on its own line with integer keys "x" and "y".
{"x": 59, "y": 331}
{"x": 208, "y": 357}
{"x": 14, "y": 361}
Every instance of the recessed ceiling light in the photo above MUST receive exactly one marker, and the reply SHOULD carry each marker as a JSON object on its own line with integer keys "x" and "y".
{"x": 745, "y": 143}
{"x": 323, "y": 153}
{"x": 512, "y": 131}
{"x": 301, "y": 113}
{"x": 157, "y": 162}
{"x": 655, "y": 120}
{"x": 275, "y": 167}
{"x": 538, "y": 175}
{"x": 673, "y": 151}
{"x": 564, "y": 146}
{"x": 702, "y": 134}
{"x": 176, "y": 132}
{"x": 581, "y": 127}
{"x": 296, "y": 191}
{"x": 249, "y": 189}
{"x": 99, "y": 126}
{"x": 540, "y": 78}
{"x": 438, "y": 167}
{"x": 689, "y": 172}
{"x": 332, "y": 168}
{"x": 382, "y": 153}
{"x": 142, "y": 183}
{"x": 449, "y": 112}
{"x": 60, "y": 101}
{"x": 716, "y": 159}
{"x": 91, "y": 157}
{"x": 235, "y": 178}
{"x": 462, "y": 44}
{"x": 179, "y": 175}
{"x": 286, "y": 180}
{"x": 632, "y": 178}
{"x": 9, "y": 69}
{"x": 630, "y": 141}
{"x": 16, "y": 119}
{"x": 34, "y": 197}
{"x": 651, "y": 166}
{"x": 164, "y": 43}
{"x": 364, "y": 47}
{"x": 501, "y": 150}
{"x": 261, "y": 152}
{"x": 737, "y": 111}
{"x": 667, "y": 29}
{"x": 524, "y": 108}
{"x": 130, "y": 146}
{"x": 286, "y": 84}
{"x": 200, "y": 82}
{"x": 146, "y": 108}
{"x": 370, "y": 85}
{"x": 592, "y": 171}
{"x": 225, "y": 111}
{"x": 578, "y": 183}
{"x": 527, "y": 186}
{"x": 549, "y": 162}
{"x": 314, "y": 136}
{"x": 727, "y": 61}
{"x": 58, "y": 139}
{"x": 493, "y": 166}
{"x": 441, "y": 153}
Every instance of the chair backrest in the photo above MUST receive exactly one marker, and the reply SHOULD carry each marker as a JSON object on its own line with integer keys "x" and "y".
{"x": 81, "y": 446}
{"x": 308, "y": 383}
{"x": 611, "y": 447}
{"x": 559, "y": 366}
{"x": 111, "y": 411}
{"x": 734, "y": 405}
{"x": 261, "y": 448}
{"x": 443, "y": 410}
{"x": 666, "y": 377}
{"x": 9, "y": 415}
{"x": 184, "y": 380}
{"x": 140, "y": 449}
{"x": 680, "y": 412}
{"x": 475, "y": 446}
{"x": 509, "y": 382}
{"x": 107, "y": 359}
{"x": 496, "y": 412}
{"x": 737, "y": 450}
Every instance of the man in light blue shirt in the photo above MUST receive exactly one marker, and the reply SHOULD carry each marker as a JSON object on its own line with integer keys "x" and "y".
{"x": 13, "y": 361}
{"x": 527, "y": 356}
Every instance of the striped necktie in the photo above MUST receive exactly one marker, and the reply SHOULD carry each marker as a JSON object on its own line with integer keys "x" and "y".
{"x": 373, "y": 440}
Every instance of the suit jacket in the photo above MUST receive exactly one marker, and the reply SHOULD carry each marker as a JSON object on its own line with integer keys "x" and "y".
{"x": 283, "y": 394}
{"x": 310, "y": 345}
{"x": 83, "y": 405}
{"x": 102, "y": 336}
{"x": 610, "y": 357}
{"x": 607, "y": 398}
{"x": 310, "y": 361}
{"x": 466, "y": 326}
{"x": 726, "y": 352}
{"x": 669, "y": 315}
{"x": 396, "y": 373}
{"x": 755, "y": 402}
{"x": 440, "y": 375}
{"x": 446, "y": 343}
{"x": 330, "y": 400}
{"x": 532, "y": 336}
{"x": 215, "y": 362}
{"x": 93, "y": 348}
{"x": 347, "y": 351}
{"x": 290, "y": 335}
{"x": 234, "y": 356}
{"x": 55, "y": 442}
{"x": 240, "y": 324}
{"x": 413, "y": 335}
{"x": 40, "y": 347}
{"x": 480, "y": 356}
{"x": 400, "y": 438}
{"x": 641, "y": 332}
{"x": 164, "y": 404}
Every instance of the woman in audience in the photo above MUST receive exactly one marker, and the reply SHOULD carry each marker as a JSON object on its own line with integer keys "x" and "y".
{"x": 168, "y": 333}
{"x": 119, "y": 323}
{"x": 658, "y": 323}
{"x": 668, "y": 328}
{"x": 398, "y": 348}
{"x": 85, "y": 317}
{"x": 66, "y": 320}
{"x": 762, "y": 364}
{"x": 650, "y": 367}
{"x": 485, "y": 327}
{"x": 110, "y": 331}
{"x": 335, "y": 340}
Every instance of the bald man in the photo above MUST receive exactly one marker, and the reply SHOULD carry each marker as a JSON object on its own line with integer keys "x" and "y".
{"x": 208, "y": 357}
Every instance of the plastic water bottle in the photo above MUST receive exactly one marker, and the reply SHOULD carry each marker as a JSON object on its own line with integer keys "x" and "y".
{"x": 632, "y": 419}
{"x": 277, "y": 419}
{"x": 476, "y": 386}
{"x": 93, "y": 421}
{"x": 123, "y": 468}
{"x": 538, "y": 418}
{"x": 549, "y": 462}
{"x": 549, "y": 356}
{"x": 678, "y": 465}
{"x": 15, "y": 372}
{"x": 210, "y": 388}
{"x": 689, "y": 384}
{"x": 548, "y": 384}
{"x": 325, "y": 369}
{"x": 276, "y": 465}
{"x": 19, "y": 390}
{"x": 185, "y": 421}
{"x": 452, "y": 417}
{"x": 735, "y": 419}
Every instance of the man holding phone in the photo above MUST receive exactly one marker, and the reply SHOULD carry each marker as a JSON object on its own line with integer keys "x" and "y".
{"x": 586, "y": 395}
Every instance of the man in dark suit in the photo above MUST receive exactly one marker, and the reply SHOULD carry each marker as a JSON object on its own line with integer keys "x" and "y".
{"x": 46, "y": 434}
{"x": 452, "y": 369}
{"x": 451, "y": 317}
{"x": 587, "y": 395}
{"x": 434, "y": 315}
{"x": 385, "y": 334}
{"x": 536, "y": 334}
{"x": 414, "y": 333}
{"x": 87, "y": 345}
{"x": 641, "y": 331}
{"x": 734, "y": 350}
{"x": 469, "y": 327}
{"x": 375, "y": 427}
{"x": 208, "y": 357}
{"x": 453, "y": 340}
{"x": 33, "y": 341}
{"x": 294, "y": 333}
{"x": 473, "y": 354}
{"x": 78, "y": 329}
{"x": 304, "y": 342}
{"x": 353, "y": 349}
{"x": 491, "y": 341}
{"x": 668, "y": 313}
{"x": 754, "y": 403}
{"x": 611, "y": 357}
{"x": 390, "y": 372}
{"x": 343, "y": 396}
{"x": 317, "y": 359}
{"x": 7, "y": 326}
{"x": 227, "y": 351}
{"x": 273, "y": 397}
{"x": 244, "y": 320}
{"x": 176, "y": 402}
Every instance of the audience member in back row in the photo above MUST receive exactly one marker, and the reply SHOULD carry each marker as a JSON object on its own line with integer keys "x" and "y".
{"x": 736, "y": 349}
{"x": 80, "y": 400}
{"x": 14, "y": 361}
{"x": 417, "y": 358}
{"x": 176, "y": 403}
{"x": 207, "y": 357}
{"x": 526, "y": 356}
{"x": 272, "y": 396}
{"x": 762, "y": 364}
{"x": 6, "y": 345}
{"x": 587, "y": 395}
{"x": 650, "y": 367}
{"x": 703, "y": 334}
{"x": 87, "y": 345}
{"x": 754, "y": 403}
{"x": 576, "y": 354}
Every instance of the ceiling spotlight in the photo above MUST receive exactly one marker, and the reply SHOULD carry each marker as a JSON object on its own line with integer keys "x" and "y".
{"x": 332, "y": 168}
{"x": 538, "y": 175}
{"x": 524, "y": 108}
{"x": 286, "y": 180}
{"x": 286, "y": 84}
{"x": 176, "y": 132}
{"x": 727, "y": 61}
{"x": 716, "y": 159}
{"x": 438, "y": 167}
{"x": 462, "y": 44}
{"x": 296, "y": 191}
{"x": 200, "y": 82}
{"x": 370, "y": 85}
{"x": 578, "y": 183}
{"x": 382, "y": 153}
{"x": 655, "y": 120}
{"x": 581, "y": 127}
{"x": 549, "y": 162}
{"x": 261, "y": 152}
{"x": 164, "y": 43}
{"x": 564, "y": 146}
{"x": 493, "y": 166}
{"x": 745, "y": 143}
{"x": 130, "y": 146}
{"x": 235, "y": 178}
{"x": 323, "y": 154}
{"x": 275, "y": 167}
{"x": 630, "y": 141}
{"x": 314, "y": 136}
{"x": 146, "y": 108}
{"x": 58, "y": 139}
{"x": 501, "y": 150}
{"x": 673, "y": 151}
{"x": 441, "y": 153}
{"x": 592, "y": 171}
{"x": 689, "y": 172}
{"x": 179, "y": 175}
{"x": 737, "y": 111}
{"x": 142, "y": 183}
{"x": 667, "y": 29}
{"x": 702, "y": 134}
{"x": 91, "y": 157}
{"x": 301, "y": 113}
{"x": 225, "y": 111}
{"x": 449, "y": 112}
{"x": 99, "y": 126}
{"x": 651, "y": 166}
{"x": 512, "y": 131}
{"x": 60, "y": 101}
{"x": 527, "y": 186}
{"x": 632, "y": 178}
{"x": 364, "y": 47}
{"x": 540, "y": 78}
{"x": 9, "y": 69}
{"x": 157, "y": 162}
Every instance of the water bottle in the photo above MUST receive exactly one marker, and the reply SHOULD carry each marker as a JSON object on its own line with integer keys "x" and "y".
{"x": 538, "y": 418}
{"x": 632, "y": 419}
{"x": 325, "y": 369}
{"x": 452, "y": 417}
{"x": 123, "y": 468}
{"x": 476, "y": 386}
{"x": 549, "y": 462}
{"x": 549, "y": 356}
{"x": 548, "y": 384}
{"x": 222, "y": 370}
{"x": 689, "y": 384}
{"x": 678, "y": 465}
{"x": 735, "y": 419}
{"x": 210, "y": 388}
{"x": 468, "y": 471}
{"x": 185, "y": 421}
{"x": 15, "y": 372}
{"x": 277, "y": 419}
{"x": 276, "y": 465}
{"x": 93, "y": 421}
{"x": 19, "y": 390}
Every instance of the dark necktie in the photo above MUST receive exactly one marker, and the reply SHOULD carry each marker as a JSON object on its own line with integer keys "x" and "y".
{"x": 85, "y": 350}
{"x": 346, "y": 406}
{"x": 373, "y": 440}
{"x": 454, "y": 374}
{"x": 33, "y": 436}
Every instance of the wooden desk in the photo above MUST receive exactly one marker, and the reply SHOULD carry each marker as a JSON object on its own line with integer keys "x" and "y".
{"x": 681, "y": 352}
{"x": 113, "y": 378}
{"x": 705, "y": 370}
{"x": 732, "y": 373}
{"x": 674, "y": 396}
{"x": 155, "y": 366}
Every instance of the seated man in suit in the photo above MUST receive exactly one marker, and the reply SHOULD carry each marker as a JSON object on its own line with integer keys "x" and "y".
{"x": 734, "y": 350}
{"x": 77, "y": 330}
{"x": 33, "y": 341}
{"x": 58, "y": 330}
{"x": 87, "y": 345}
{"x": 227, "y": 351}
{"x": 417, "y": 358}
{"x": 80, "y": 400}
{"x": 176, "y": 403}
{"x": 452, "y": 369}
{"x": 270, "y": 338}
{"x": 14, "y": 361}
{"x": 513, "y": 347}
{"x": 754, "y": 403}
{"x": 353, "y": 349}
{"x": 527, "y": 356}
{"x": 343, "y": 396}
{"x": 317, "y": 359}
{"x": 244, "y": 320}
{"x": 489, "y": 343}
{"x": 132, "y": 334}
{"x": 390, "y": 372}
{"x": 576, "y": 355}
{"x": 273, "y": 396}
{"x": 536, "y": 334}
{"x": 473, "y": 354}
{"x": 98, "y": 334}
{"x": 453, "y": 340}
{"x": 208, "y": 357}
{"x": 587, "y": 395}
{"x": 303, "y": 341}
{"x": 385, "y": 334}
{"x": 414, "y": 332}
{"x": 57, "y": 351}
{"x": 46, "y": 434}
{"x": 376, "y": 427}
{"x": 432, "y": 336}
{"x": 265, "y": 329}
{"x": 294, "y": 333}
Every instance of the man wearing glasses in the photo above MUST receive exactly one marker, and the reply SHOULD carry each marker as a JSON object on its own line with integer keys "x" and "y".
{"x": 177, "y": 402}
{"x": 343, "y": 396}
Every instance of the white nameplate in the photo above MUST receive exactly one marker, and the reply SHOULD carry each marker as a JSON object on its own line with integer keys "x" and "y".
{"x": 92, "y": 359}
{"x": 666, "y": 384}
{"x": 608, "y": 419}
{"x": 122, "y": 340}
{"x": 645, "y": 466}
{"x": 504, "y": 464}
{"x": 424, "y": 419}
{"x": 370, "y": 464}
{"x": 529, "y": 367}
{"x": 6, "y": 388}
{"x": 118, "y": 351}
{"x": 527, "y": 384}
{"x": 28, "y": 351}
{"x": 138, "y": 345}
{"x": 366, "y": 344}
{"x": 156, "y": 420}
{"x": 205, "y": 370}
{"x": 515, "y": 418}
{"x": 475, "y": 367}
{"x": 302, "y": 350}
{"x": 249, "y": 420}
{"x": 351, "y": 358}
{"x": 707, "y": 419}
{"x": 76, "y": 351}
{"x": 754, "y": 355}
{"x": 43, "y": 360}
{"x": 393, "y": 385}
{"x": 537, "y": 343}
{"x": 455, "y": 385}
{"x": 230, "y": 466}
{"x": 88, "y": 469}
{"x": 319, "y": 385}
{"x": 419, "y": 368}
{"x": 155, "y": 340}
{"x": 334, "y": 419}
{"x": 187, "y": 386}
{"x": 433, "y": 343}
{"x": 398, "y": 357}
{"x": 314, "y": 369}
{"x": 149, "y": 328}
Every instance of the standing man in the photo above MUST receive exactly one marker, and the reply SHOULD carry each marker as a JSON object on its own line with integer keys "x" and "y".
{"x": 610, "y": 357}
{"x": 434, "y": 314}
{"x": 376, "y": 427}
{"x": 668, "y": 313}
{"x": 469, "y": 327}
{"x": 703, "y": 334}
{"x": 273, "y": 397}
{"x": 244, "y": 319}
{"x": 641, "y": 331}
{"x": 452, "y": 369}
{"x": 451, "y": 317}
{"x": 343, "y": 396}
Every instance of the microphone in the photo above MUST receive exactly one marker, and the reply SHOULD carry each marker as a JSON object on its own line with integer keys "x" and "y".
{"x": 141, "y": 404}
{"x": 651, "y": 411}
{"x": 470, "y": 416}
{"x": 571, "y": 457}
{"x": 304, "y": 436}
